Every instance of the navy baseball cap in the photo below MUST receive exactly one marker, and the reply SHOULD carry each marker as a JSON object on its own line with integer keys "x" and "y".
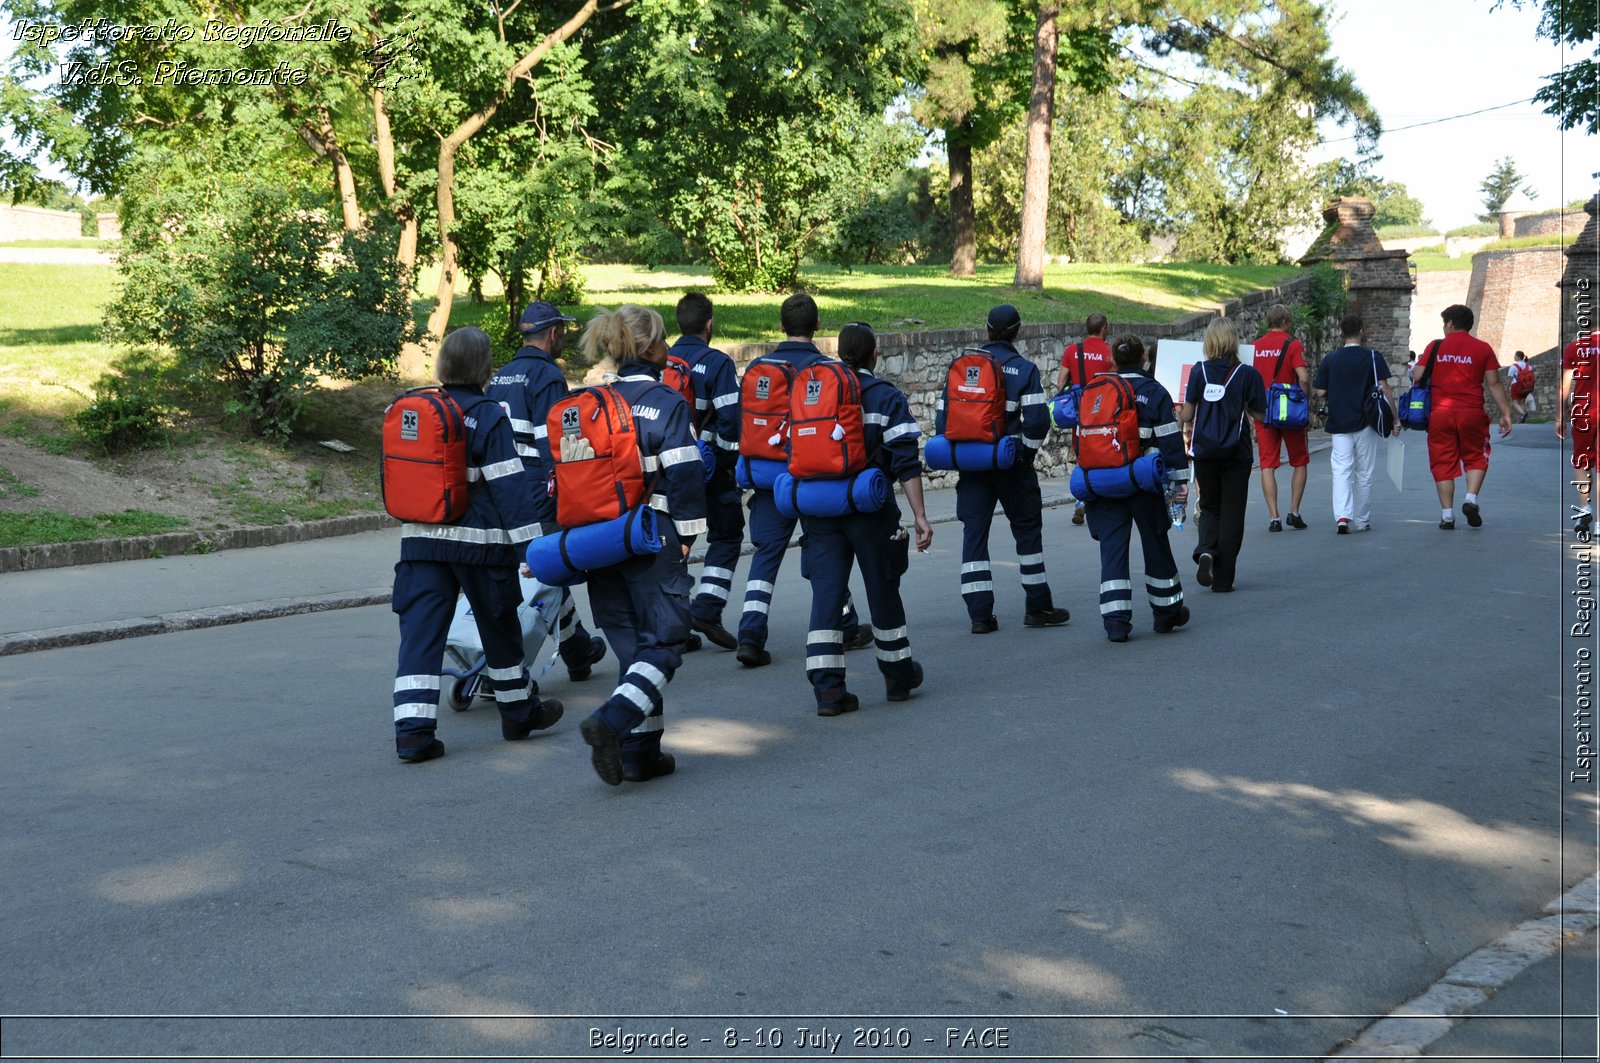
{"x": 540, "y": 316}
{"x": 1004, "y": 317}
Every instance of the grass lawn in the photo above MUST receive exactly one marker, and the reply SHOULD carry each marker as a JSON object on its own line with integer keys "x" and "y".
{"x": 906, "y": 298}
{"x": 1434, "y": 260}
{"x": 48, "y": 526}
{"x": 49, "y": 356}
{"x": 90, "y": 243}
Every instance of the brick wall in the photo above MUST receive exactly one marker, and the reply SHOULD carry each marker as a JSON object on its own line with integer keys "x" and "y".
{"x": 36, "y": 223}
{"x": 1552, "y": 223}
{"x": 1514, "y": 296}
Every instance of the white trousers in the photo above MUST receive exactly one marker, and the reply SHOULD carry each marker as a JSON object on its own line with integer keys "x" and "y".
{"x": 1355, "y": 455}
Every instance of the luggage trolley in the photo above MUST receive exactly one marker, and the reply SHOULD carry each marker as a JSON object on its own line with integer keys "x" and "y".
{"x": 463, "y": 652}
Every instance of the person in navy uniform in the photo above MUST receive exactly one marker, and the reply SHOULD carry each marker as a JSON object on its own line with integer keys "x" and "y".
{"x": 642, "y": 604}
{"x": 1016, "y": 489}
{"x": 477, "y": 555}
{"x": 873, "y": 541}
{"x": 526, "y": 387}
{"x": 1112, "y": 520}
{"x": 770, "y": 530}
{"x": 716, "y": 418}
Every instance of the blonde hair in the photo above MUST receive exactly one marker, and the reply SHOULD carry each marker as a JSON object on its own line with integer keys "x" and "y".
{"x": 623, "y": 334}
{"x": 1221, "y": 341}
{"x": 1279, "y": 316}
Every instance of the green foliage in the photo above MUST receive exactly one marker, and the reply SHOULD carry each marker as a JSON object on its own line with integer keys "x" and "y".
{"x": 255, "y": 287}
{"x": 901, "y": 224}
{"x": 750, "y": 138}
{"x": 1393, "y": 206}
{"x": 1481, "y": 228}
{"x": 130, "y": 409}
{"x": 1511, "y": 244}
{"x": 1325, "y": 302}
{"x": 51, "y": 526}
{"x": 1571, "y": 94}
{"x": 1405, "y": 232}
{"x": 1501, "y": 184}
{"x": 12, "y": 486}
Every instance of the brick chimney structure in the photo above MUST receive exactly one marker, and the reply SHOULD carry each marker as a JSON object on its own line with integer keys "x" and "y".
{"x": 1579, "y": 280}
{"x": 1378, "y": 281}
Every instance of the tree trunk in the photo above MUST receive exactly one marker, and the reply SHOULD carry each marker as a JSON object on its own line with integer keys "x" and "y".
{"x": 406, "y": 254}
{"x": 450, "y": 145}
{"x": 963, "y": 226}
{"x": 516, "y": 297}
{"x": 343, "y": 177}
{"x": 1036, "y": 178}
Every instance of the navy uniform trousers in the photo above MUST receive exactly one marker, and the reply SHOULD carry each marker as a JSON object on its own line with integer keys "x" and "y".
{"x": 1017, "y": 491}
{"x": 832, "y": 545}
{"x": 425, "y": 601}
{"x": 1111, "y": 522}
{"x": 770, "y": 532}
{"x": 642, "y": 606}
{"x": 724, "y": 540}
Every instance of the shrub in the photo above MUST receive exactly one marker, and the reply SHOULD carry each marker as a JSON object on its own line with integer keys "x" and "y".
{"x": 129, "y": 410}
{"x": 1482, "y": 228}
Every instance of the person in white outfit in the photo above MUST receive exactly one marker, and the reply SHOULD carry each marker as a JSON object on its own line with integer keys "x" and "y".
{"x": 1345, "y": 379}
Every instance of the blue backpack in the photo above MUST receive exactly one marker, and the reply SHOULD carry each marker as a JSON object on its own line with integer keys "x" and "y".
{"x": 1414, "y": 401}
{"x": 1064, "y": 407}
{"x": 1287, "y": 406}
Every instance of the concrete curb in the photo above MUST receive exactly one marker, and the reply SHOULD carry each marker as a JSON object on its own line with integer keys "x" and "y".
{"x": 98, "y": 551}
{"x": 1469, "y": 983}
{"x": 268, "y": 609}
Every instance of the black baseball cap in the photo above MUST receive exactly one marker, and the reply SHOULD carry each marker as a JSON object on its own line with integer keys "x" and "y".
{"x": 1004, "y": 318}
{"x": 540, "y": 316}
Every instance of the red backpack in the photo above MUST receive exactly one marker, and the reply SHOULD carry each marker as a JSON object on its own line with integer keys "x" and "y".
{"x": 827, "y": 439}
{"x": 605, "y": 479}
{"x": 764, "y": 409}
{"x": 1108, "y": 423}
{"x": 424, "y": 469}
{"x": 975, "y": 399}
{"x": 1522, "y": 387}
{"x": 678, "y": 375}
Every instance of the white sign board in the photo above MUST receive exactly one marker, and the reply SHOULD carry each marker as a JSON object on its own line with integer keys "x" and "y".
{"x": 1175, "y": 358}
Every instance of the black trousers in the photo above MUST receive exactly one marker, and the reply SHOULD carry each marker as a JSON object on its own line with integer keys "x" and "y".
{"x": 1224, "y": 490}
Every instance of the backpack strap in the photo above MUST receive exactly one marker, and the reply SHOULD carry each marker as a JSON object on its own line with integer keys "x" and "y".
{"x": 1082, "y": 379}
{"x": 1427, "y": 370}
{"x": 1282, "y": 353}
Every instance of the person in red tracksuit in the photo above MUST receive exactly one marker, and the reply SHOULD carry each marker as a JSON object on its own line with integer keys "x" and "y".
{"x": 1282, "y": 360}
{"x": 1458, "y": 427}
{"x": 1080, "y": 363}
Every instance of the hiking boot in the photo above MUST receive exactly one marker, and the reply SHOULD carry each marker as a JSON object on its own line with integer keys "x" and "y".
{"x": 860, "y": 640}
{"x": 1470, "y": 511}
{"x": 752, "y": 656}
{"x": 848, "y": 703}
{"x": 1447, "y": 525}
{"x": 1045, "y": 617}
{"x": 1202, "y": 574}
{"x": 664, "y": 764}
{"x": 904, "y": 693}
{"x": 1077, "y": 513}
{"x": 585, "y": 668}
{"x": 1119, "y": 636}
{"x": 985, "y": 625}
{"x": 430, "y": 751}
{"x": 1343, "y": 527}
{"x": 1275, "y": 525}
{"x": 605, "y": 752}
{"x": 550, "y": 711}
{"x": 713, "y": 630}
{"x": 691, "y": 644}
{"x": 1295, "y": 521}
{"x": 1164, "y": 627}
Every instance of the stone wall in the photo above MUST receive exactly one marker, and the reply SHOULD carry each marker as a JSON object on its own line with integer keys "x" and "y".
{"x": 1515, "y": 298}
{"x": 36, "y": 223}
{"x": 110, "y": 225}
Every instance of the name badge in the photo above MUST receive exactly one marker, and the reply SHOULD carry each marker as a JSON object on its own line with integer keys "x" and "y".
{"x": 1214, "y": 392}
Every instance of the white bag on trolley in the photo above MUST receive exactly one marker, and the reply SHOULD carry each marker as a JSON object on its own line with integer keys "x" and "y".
{"x": 464, "y": 647}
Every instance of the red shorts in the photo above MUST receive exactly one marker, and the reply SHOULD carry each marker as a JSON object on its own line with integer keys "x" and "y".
{"x": 1268, "y": 438}
{"x": 1583, "y": 448}
{"x": 1458, "y": 439}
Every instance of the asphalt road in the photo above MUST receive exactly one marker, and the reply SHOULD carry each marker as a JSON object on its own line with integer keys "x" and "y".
{"x": 1248, "y": 838}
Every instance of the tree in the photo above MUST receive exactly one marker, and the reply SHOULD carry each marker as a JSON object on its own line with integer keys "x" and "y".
{"x": 745, "y": 130}
{"x": 1571, "y": 94}
{"x": 1502, "y": 183}
{"x": 1036, "y": 173}
{"x": 1392, "y": 203}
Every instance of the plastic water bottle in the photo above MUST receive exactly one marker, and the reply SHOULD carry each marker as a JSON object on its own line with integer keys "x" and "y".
{"x": 1176, "y": 510}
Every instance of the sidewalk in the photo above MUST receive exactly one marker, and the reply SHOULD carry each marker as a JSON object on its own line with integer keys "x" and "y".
{"x": 49, "y": 608}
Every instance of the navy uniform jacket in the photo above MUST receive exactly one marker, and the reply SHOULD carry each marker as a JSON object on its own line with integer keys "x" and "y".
{"x": 716, "y": 394}
{"x": 500, "y": 519}
{"x": 527, "y": 386}
{"x": 1158, "y": 425}
{"x": 666, "y": 446}
{"x": 892, "y": 432}
{"x": 1027, "y": 410}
